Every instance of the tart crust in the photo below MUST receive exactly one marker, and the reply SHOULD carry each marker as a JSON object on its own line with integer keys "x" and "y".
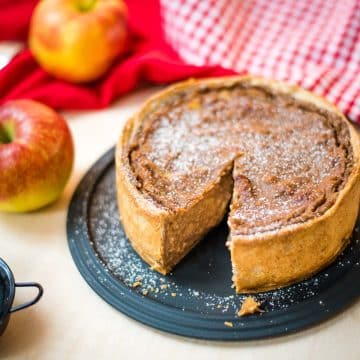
{"x": 260, "y": 261}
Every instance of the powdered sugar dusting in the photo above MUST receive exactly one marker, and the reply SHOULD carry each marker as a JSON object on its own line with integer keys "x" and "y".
{"x": 293, "y": 156}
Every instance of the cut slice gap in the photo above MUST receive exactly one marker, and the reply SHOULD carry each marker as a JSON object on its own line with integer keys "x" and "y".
{"x": 185, "y": 229}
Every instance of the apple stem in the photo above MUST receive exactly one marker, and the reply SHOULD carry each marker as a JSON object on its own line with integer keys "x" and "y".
{"x": 7, "y": 132}
{"x": 85, "y": 5}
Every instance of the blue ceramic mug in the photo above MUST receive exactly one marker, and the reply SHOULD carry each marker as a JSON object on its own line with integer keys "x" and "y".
{"x": 7, "y": 294}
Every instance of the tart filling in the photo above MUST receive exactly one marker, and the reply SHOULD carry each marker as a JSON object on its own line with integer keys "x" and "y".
{"x": 289, "y": 159}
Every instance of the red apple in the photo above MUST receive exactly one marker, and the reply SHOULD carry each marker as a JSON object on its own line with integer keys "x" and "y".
{"x": 36, "y": 155}
{"x": 77, "y": 40}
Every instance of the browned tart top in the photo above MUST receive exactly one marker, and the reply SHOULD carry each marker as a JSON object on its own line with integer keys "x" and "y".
{"x": 289, "y": 159}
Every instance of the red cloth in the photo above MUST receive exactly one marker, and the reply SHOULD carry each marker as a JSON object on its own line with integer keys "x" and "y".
{"x": 313, "y": 43}
{"x": 150, "y": 58}
{"x": 15, "y": 18}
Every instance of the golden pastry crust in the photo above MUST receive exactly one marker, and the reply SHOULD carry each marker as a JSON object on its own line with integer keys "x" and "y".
{"x": 261, "y": 261}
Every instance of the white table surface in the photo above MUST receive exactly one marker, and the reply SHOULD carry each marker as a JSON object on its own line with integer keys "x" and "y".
{"x": 72, "y": 322}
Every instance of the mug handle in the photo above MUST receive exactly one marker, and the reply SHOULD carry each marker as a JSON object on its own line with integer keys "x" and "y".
{"x": 31, "y": 302}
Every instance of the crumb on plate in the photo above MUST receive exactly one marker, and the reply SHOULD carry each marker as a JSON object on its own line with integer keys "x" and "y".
{"x": 249, "y": 306}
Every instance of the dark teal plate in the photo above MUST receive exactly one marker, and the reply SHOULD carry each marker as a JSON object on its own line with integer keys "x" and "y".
{"x": 197, "y": 298}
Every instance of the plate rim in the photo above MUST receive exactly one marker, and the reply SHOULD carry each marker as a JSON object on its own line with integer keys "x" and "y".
{"x": 126, "y": 300}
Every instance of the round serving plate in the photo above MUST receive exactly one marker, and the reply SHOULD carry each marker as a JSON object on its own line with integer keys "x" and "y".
{"x": 196, "y": 299}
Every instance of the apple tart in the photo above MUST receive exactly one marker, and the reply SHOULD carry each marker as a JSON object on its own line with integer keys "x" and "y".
{"x": 280, "y": 162}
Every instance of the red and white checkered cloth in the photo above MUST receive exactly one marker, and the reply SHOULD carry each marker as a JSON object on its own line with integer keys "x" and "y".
{"x": 313, "y": 43}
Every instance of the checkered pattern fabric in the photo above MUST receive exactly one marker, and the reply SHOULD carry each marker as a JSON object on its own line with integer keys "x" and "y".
{"x": 313, "y": 43}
